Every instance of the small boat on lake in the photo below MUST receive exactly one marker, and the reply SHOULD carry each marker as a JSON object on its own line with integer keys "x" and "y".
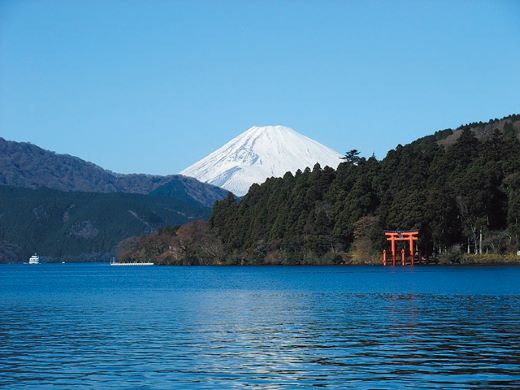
{"x": 34, "y": 259}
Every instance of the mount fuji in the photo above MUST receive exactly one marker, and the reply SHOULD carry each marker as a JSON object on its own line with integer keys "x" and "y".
{"x": 260, "y": 153}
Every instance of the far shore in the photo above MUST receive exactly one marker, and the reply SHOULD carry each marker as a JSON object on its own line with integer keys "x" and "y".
{"x": 452, "y": 260}
{"x": 460, "y": 260}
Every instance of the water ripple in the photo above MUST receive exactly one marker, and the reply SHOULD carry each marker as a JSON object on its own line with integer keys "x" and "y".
{"x": 174, "y": 327}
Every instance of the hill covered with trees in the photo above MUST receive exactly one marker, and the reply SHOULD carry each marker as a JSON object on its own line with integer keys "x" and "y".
{"x": 82, "y": 225}
{"x": 460, "y": 188}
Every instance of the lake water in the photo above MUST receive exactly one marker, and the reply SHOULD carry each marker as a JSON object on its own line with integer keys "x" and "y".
{"x": 69, "y": 325}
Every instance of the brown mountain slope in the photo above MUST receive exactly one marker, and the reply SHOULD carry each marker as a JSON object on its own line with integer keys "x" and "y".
{"x": 484, "y": 130}
{"x": 26, "y": 165}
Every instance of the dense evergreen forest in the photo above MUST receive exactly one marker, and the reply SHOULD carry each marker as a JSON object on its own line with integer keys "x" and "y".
{"x": 460, "y": 189}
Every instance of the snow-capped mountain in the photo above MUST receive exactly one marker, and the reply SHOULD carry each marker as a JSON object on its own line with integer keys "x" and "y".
{"x": 260, "y": 153}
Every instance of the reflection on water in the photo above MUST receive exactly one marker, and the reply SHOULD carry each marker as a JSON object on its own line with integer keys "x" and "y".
{"x": 357, "y": 327}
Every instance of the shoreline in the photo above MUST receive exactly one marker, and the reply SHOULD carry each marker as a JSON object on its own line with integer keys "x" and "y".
{"x": 461, "y": 260}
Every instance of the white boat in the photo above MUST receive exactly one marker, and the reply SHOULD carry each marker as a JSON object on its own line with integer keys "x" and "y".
{"x": 34, "y": 259}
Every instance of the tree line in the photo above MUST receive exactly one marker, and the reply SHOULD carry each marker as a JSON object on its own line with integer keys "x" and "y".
{"x": 463, "y": 196}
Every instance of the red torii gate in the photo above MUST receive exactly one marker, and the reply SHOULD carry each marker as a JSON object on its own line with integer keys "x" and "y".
{"x": 397, "y": 235}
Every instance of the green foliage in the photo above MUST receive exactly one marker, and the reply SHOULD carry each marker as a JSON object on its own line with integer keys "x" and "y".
{"x": 452, "y": 194}
{"x": 352, "y": 157}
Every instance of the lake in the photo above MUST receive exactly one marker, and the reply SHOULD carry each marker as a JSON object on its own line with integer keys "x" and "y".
{"x": 68, "y": 325}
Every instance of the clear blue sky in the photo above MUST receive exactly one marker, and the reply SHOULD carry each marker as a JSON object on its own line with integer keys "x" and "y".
{"x": 153, "y": 86}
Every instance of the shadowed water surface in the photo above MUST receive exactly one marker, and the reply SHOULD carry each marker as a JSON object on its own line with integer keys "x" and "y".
{"x": 267, "y": 327}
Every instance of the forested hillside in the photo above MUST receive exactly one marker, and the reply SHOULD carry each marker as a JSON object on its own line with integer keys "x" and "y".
{"x": 450, "y": 193}
{"x": 82, "y": 225}
{"x": 66, "y": 208}
{"x": 454, "y": 186}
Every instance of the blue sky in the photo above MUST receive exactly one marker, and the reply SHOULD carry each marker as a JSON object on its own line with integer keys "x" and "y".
{"x": 153, "y": 86}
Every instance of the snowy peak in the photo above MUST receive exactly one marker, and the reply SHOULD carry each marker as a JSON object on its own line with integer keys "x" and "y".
{"x": 260, "y": 153}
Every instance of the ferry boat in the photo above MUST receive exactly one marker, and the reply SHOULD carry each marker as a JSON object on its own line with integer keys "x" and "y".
{"x": 34, "y": 259}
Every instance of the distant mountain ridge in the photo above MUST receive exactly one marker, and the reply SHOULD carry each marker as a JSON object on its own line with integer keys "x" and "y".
{"x": 26, "y": 165}
{"x": 258, "y": 154}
